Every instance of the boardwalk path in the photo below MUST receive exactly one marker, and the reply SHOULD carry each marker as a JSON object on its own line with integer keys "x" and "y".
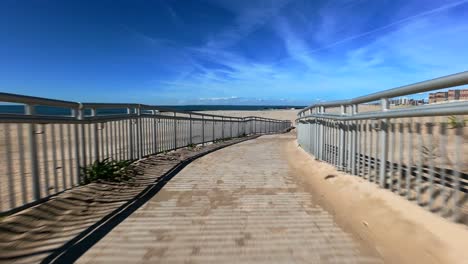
{"x": 237, "y": 205}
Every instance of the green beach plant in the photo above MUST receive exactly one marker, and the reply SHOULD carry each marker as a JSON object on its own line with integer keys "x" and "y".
{"x": 107, "y": 170}
{"x": 191, "y": 146}
{"x": 455, "y": 122}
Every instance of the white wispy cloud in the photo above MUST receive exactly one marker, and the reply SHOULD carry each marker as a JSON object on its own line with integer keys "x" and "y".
{"x": 326, "y": 24}
{"x": 411, "y": 49}
{"x": 250, "y": 16}
{"x": 219, "y": 98}
{"x": 297, "y": 47}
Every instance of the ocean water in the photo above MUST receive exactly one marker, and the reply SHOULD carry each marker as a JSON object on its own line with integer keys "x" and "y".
{"x": 47, "y": 110}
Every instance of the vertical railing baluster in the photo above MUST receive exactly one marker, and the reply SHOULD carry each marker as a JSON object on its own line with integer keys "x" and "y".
{"x": 255, "y": 125}
{"x": 36, "y": 185}
{"x": 409, "y": 168}
{"x": 222, "y": 127}
{"x": 54, "y": 157}
{"x": 9, "y": 166}
{"x": 391, "y": 151}
{"x": 443, "y": 161}
{"x": 139, "y": 133}
{"x": 82, "y": 138}
{"x": 130, "y": 134}
{"x": 62, "y": 157}
{"x": 203, "y": 129}
{"x": 72, "y": 138}
{"x": 431, "y": 159}
{"x": 95, "y": 134}
{"x": 175, "y": 130}
{"x": 79, "y": 115}
{"x": 24, "y": 185}
{"x": 342, "y": 140}
{"x": 155, "y": 133}
{"x": 456, "y": 183}
{"x": 214, "y": 138}
{"x": 369, "y": 166}
{"x": 401, "y": 130}
{"x": 354, "y": 136}
{"x": 191, "y": 132}
{"x": 383, "y": 144}
{"x": 420, "y": 162}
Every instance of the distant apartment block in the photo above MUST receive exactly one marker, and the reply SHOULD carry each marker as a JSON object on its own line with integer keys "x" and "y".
{"x": 450, "y": 95}
{"x": 406, "y": 101}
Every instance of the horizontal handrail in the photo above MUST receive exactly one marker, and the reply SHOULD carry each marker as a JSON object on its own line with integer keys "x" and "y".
{"x": 24, "y": 99}
{"x": 457, "y": 108}
{"x": 78, "y": 106}
{"x": 425, "y": 86}
{"x": 144, "y": 107}
{"x": 21, "y": 118}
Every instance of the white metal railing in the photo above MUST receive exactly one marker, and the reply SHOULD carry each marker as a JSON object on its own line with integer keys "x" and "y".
{"x": 42, "y": 155}
{"x": 419, "y": 151}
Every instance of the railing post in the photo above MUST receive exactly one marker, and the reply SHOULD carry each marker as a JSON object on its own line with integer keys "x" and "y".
{"x": 36, "y": 187}
{"x": 155, "y": 136}
{"x": 130, "y": 135}
{"x": 349, "y": 142}
{"x": 79, "y": 114}
{"x": 203, "y": 130}
{"x": 354, "y": 136}
{"x": 316, "y": 136}
{"x": 139, "y": 133}
{"x": 222, "y": 127}
{"x": 175, "y": 130}
{"x": 190, "y": 124}
{"x": 245, "y": 126}
{"x": 255, "y": 125}
{"x": 96, "y": 136}
{"x": 458, "y": 163}
{"x": 214, "y": 129}
{"x": 383, "y": 144}
{"x": 251, "y": 126}
{"x": 342, "y": 140}
{"x": 321, "y": 134}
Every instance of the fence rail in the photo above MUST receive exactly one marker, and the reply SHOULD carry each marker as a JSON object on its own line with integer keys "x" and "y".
{"x": 42, "y": 154}
{"x": 418, "y": 152}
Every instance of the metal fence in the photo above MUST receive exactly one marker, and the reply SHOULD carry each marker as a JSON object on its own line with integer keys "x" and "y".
{"x": 419, "y": 152}
{"x": 45, "y": 146}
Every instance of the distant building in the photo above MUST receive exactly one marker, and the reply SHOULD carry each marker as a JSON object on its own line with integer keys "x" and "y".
{"x": 438, "y": 97}
{"x": 406, "y": 101}
{"x": 453, "y": 95}
{"x": 450, "y": 95}
{"x": 399, "y": 101}
{"x": 464, "y": 94}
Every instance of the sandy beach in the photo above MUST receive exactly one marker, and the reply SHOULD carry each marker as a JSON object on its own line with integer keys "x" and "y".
{"x": 287, "y": 114}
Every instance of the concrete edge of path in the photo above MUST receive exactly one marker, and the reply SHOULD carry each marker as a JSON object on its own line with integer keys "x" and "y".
{"x": 400, "y": 230}
{"x": 76, "y": 247}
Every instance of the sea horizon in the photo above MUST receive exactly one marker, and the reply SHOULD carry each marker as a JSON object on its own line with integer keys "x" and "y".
{"x": 46, "y": 110}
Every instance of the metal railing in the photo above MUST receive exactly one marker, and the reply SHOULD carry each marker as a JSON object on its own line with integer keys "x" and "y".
{"x": 46, "y": 145}
{"x": 418, "y": 152}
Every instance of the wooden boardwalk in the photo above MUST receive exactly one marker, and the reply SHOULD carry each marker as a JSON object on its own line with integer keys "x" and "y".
{"x": 241, "y": 204}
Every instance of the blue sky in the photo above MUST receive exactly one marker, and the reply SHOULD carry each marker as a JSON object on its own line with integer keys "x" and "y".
{"x": 226, "y": 52}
